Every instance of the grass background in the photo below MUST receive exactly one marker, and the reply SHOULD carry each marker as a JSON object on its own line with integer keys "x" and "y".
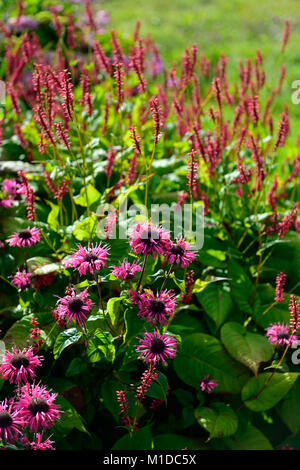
{"x": 236, "y": 27}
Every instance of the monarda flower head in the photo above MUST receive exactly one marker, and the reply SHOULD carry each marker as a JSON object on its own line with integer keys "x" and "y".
{"x": 155, "y": 347}
{"x": 91, "y": 259}
{"x": 180, "y": 253}
{"x": 207, "y": 384}
{"x": 11, "y": 422}
{"x": 39, "y": 444}
{"x": 24, "y": 238}
{"x": 37, "y": 408}
{"x": 22, "y": 279}
{"x": 19, "y": 366}
{"x": 146, "y": 239}
{"x": 74, "y": 306}
{"x": 157, "y": 308}
{"x": 279, "y": 334}
{"x": 126, "y": 270}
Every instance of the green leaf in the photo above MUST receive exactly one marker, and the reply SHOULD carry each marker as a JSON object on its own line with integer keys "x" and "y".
{"x": 242, "y": 286}
{"x": 174, "y": 442}
{"x": 100, "y": 346}
{"x": 86, "y": 229}
{"x": 39, "y": 266}
{"x": 76, "y": 366}
{"x": 87, "y": 196}
{"x": 65, "y": 339}
{"x": 288, "y": 409}
{"x": 248, "y": 348}
{"x": 203, "y": 355}
{"x": 141, "y": 440}
{"x": 219, "y": 420}
{"x": 134, "y": 325}
{"x": 18, "y": 333}
{"x": 113, "y": 306}
{"x": 249, "y": 438}
{"x": 216, "y": 302}
{"x": 69, "y": 420}
{"x": 52, "y": 218}
{"x": 159, "y": 387}
{"x": 271, "y": 394}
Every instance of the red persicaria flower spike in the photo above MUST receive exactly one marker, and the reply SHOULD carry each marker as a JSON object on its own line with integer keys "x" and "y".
{"x": 74, "y": 307}
{"x": 157, "y": 308}
{"x": 287, "y": 221}
{"x": 111, "y": 156}
{"x": 37, "y": 408}
{"x": 283, "y": 130}
{"x": 123, "y": 402}
{"x": 136, "y": 139}
{"x": 49, "y": 182}
{"x": 89, "y": 15}
{"x": 279, "y": 335}
{"x": 63, "y": 135}
{"x": 106, "y": 115}
{"x": 101, "y": 58}
{"x": 192, "y": 171}
{"x": 14, "y": 98}
{"x": 286, "y": 34}
{"x": 66, "y": 93}
{"x": 11, "y": 422}
{"x": 62, "y": 189}
{"x": 71, "y": 36}
{"x": 157, "y": 118}
{"x": 29, "y": 196}
{"x": 253, "y": 107}
{"x": 189, "y": 283}
{"x": 56, "y": 24}
{"x": 216, "y": 86}
{"x": 294, "y": 309}
{"x": 271, "y": 196}
{"x": 119, "y": 76}
{"x": 92, "y": 258}
{"x": 155, "y": 347}
{"x": 137, "y": 64}
{"x": 19, "y": 134}
{"x": 281, "y": 279}
{"x": 111, "y": 223}
{"x": 27, "y": 237}
{"x": 132, "y": 170}
{"x": 19, "y": 365}
{"x": 117, "y": 50}
{"x": 148, "y": 377}
{"x": 86, "y": 99}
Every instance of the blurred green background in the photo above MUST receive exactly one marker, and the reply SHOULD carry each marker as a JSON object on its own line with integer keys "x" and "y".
{"x": 236, "y": 27}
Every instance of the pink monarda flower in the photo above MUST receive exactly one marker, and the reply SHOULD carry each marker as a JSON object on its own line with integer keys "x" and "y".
{"x": 19, "y": 366}
{"x": 156, "y": 347}
{"x": 92, "y": 258}
{"x": 145, "y": 239}
{"x": 74, "y": 306}
{"x": 10, "y": 422}
{"x": 6, "y": 203}
{"x": 22, "y": 279}
{"x": 279, "y": 334}
{"x": 126, "y": 270}
{"x": 39, "y": 444}
{"x": 207, "y": 384}
{"x": 280, "y": 283}
{"x": 157, "y": 309}
{"x": 134, "y": 296}
{"x": 37, "y": 407}
{"x": 180, "y": 253}
{"x": 12, "y": 187}
{"x": 26, "y": 237}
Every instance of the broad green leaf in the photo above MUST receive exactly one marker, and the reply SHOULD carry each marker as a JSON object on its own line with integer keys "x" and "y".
{"x": 87, "y": 196}
{"x": 141, "y": 440}
{"x": 86, "y": 229}
{"x": 218, "y": 419}
{"x": 134, "y": 325}
{"x": 113, "y": 306}
{"x": 159, "y": 387}
{"x": 203, "y": 355}
{"x": 242, "y": 287}
{"x": 249, "y": 438}
{"x": 269, "y": 395}
{"x": 248, "y": 348}
{"x": 216, "y": 302}
{"x": 76, "y": 366}
{"x": 39, "y": 266}
{"x": 65, "y": 339}
{"x": 100, "y": 346}
{"x": 69, "y": 420}
{"x": 52, "y": 218}
{"x": 288, "y": 409}
{"x": 18, "y": 333}
{"x": 174, "y": 442}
